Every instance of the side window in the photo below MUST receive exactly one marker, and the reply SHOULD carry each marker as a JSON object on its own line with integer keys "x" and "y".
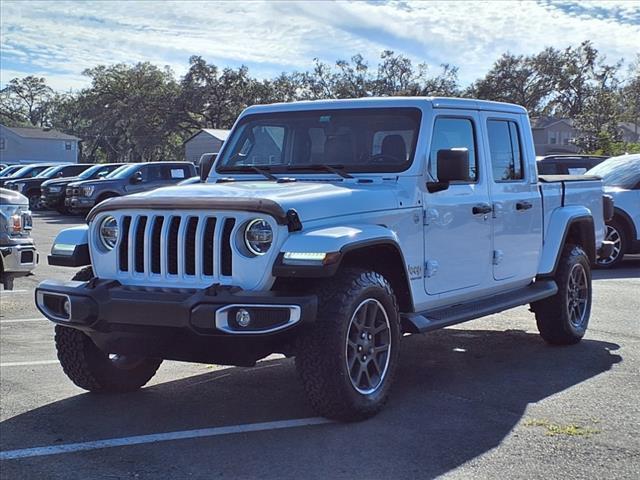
{"x": 506, "y": 154}
{"x": 450, "y": 133}
{"x": 176, "y": 172}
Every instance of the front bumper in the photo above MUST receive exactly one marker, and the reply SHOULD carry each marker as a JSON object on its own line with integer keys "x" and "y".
{"x": 181, "y": 324}
{"x": 19, "y": 259}
{"x": 52, "y": 199}
{"x": 80, "y": 202}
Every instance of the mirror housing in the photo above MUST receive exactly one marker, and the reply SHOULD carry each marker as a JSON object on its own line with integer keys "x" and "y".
{"x": 453, "y": 165}
{"x": 136, "y": 177}
{"x": 206, "y": 164}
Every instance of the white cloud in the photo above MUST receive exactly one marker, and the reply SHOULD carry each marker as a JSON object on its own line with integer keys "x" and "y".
{"x": 61, "y": 39}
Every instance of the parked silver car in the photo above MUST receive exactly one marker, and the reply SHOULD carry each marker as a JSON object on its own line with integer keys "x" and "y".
{"x": 18, "y": 254}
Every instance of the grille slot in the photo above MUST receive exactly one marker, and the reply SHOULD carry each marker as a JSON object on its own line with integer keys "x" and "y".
{"x": 155, "y": 244}
{"x": 207, "y": 246}
{"x": 172, "y": 254}
{"x": 190, "y": 246}
{"x": 124, "y": 244}
{"x": 226, "y": 261}
{"x": 139, "y": 243}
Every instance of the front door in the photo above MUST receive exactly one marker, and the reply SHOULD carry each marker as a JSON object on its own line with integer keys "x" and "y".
{"x": 457, "y": 222}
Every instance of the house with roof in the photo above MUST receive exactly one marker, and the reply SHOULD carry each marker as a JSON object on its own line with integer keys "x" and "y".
{"x": 553, "y": 136}
{"x": 629, "y": 132}
{"x": 33, "y": 145}
{"x": 206, "y": 140}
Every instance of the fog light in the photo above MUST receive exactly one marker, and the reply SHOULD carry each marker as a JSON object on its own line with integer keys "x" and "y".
{"x": 66, "y": 307}
{"x": 243, "y": 317}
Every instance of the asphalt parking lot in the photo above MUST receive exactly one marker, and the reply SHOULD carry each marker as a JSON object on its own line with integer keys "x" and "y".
{"x": 488, "y": 399}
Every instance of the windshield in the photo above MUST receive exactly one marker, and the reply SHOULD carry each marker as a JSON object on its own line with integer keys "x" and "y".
{"x": 356, "y": 140}
{"x": 49, "y": 172}
{"x": 621, "y": 171}
{"x": 124, "y": 171}
{"x": 93, "y": 171}
{"x": 7, "y": 172}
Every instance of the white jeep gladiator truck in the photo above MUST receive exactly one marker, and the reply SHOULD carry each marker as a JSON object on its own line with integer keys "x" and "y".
{"x": 326, "y": 230}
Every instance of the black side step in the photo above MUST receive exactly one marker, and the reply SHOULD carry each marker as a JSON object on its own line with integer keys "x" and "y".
{"x": 444, "y": 316}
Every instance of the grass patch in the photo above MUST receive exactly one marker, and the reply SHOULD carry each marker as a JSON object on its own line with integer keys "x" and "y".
{"x": 555, "y": 429}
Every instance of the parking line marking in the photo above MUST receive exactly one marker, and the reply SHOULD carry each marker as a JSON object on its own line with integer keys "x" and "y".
{"x": 6, "y": 292}
{"x": 26, "y": 364}
{"x": 23, "y": 320}
{"x": 159, "y": 437}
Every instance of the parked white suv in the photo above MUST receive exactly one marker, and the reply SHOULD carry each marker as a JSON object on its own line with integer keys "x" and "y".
{"x": 325, "y": 231}
{"x": 621, "y": 177}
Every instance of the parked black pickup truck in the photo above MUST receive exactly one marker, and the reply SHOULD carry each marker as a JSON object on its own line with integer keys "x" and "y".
{"x": 30, "y": 187}
{"x": 25, "y": 171}
{"x": 137, "y": 177}
{"x": 53, "y": 191}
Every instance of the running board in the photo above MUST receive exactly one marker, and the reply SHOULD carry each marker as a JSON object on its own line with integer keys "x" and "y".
{"x": 444, "y": 316}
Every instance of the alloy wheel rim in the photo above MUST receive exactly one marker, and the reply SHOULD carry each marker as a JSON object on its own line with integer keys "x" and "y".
{"x": 577, "y": 295}
{"x": 612, "y": 235}
{"x": 368, "y": 346}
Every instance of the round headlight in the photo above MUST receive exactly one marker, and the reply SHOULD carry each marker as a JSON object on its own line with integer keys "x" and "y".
{"x": 258, "y": 236}
{"x": 108, "y": 232}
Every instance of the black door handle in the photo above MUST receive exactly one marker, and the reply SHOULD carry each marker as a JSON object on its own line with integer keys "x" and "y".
{"x": 481, "y": 209}
{"x": 523, "y": 205}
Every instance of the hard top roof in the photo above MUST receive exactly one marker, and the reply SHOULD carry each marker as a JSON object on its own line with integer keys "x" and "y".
{"x": 389, "y": 102}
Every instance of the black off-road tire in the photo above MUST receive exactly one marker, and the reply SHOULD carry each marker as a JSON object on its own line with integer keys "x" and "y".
{"x": 94, "y": 370}
{"x": 616, "y": 232}
{"x": 554, "y": 317}
{"x": 321, "y": 353}
{"x": 35, "y": 203}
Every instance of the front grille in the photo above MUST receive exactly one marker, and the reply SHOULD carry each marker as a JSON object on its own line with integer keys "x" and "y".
{"x": 156, "y": 245}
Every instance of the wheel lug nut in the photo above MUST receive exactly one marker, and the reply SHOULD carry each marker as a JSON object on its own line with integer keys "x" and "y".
{"x": 359, "y": 348}
{"x": 364, "y": 357}
{"x": 363, "y": 335}
{"x": 369, "y": 336}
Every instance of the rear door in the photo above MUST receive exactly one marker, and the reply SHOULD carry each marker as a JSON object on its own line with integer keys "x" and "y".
{"x": 517, "y": 204}
{"x": 457, "y": 222}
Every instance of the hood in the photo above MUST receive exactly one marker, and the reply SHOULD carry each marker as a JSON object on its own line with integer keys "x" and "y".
{"x": 312, "y": 200}
{"x": 97, "y": 182}
{"x": 11, "y": 197}
{"x": 612, "y": 190}
{"x": 60, "y": 181}
{"x": 29, "y": 181}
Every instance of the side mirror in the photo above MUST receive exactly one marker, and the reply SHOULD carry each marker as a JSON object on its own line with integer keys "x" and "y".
{"x": 60, "y": 174}
{"x": 453, "y": 166}
{"x": 206, "y": 164}
{"x": 136, "y": 177}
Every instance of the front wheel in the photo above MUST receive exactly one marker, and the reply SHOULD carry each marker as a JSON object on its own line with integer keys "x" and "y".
{"x": 92, "y": 369}
{"x": 347, "y": 361}
{"x": 35, "y": 202}
{"x": 563, "y": 318}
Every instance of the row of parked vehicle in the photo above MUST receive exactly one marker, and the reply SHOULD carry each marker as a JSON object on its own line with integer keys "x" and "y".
{"x": 76, "y": 188}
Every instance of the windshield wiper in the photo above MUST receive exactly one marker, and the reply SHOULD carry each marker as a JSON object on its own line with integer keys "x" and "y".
{"x": 337, "y": 169}
{"x": 264, "y": 171}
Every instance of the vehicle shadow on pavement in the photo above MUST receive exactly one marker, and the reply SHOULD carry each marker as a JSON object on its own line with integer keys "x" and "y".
{"x": 458, "y": 394}
{"x": 57, "y": 219}
{"x": 628, "y": 268}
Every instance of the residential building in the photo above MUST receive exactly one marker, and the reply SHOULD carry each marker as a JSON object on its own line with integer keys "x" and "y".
{"x": 33, "y": 145}
{"x": 207, "y": 140}
{"x": 553, "y": 136}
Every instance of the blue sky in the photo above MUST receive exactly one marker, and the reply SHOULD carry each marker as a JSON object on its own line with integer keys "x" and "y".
{"x": 58, "y": 40}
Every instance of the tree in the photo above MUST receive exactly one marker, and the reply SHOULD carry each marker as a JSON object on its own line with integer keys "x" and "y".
{"x": 24, "y": 101}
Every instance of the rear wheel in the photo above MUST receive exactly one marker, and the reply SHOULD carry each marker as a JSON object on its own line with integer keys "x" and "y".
{"x": 97, "y": 371}
{"x": 615, "y": 233}
{"x": 347, "y": 361}
{"x": 563, "y": 318}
